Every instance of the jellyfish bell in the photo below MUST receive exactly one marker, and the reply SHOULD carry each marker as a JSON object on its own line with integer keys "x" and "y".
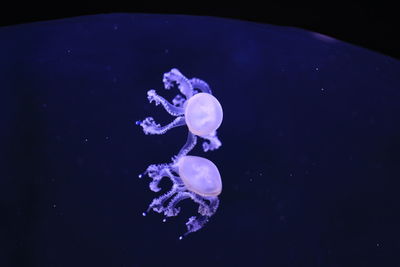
{"x": 203, "y": 114}
{"x": 200, "y": 176}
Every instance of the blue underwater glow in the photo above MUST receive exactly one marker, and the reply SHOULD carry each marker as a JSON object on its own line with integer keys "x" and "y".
{"x": 310, "y": 156}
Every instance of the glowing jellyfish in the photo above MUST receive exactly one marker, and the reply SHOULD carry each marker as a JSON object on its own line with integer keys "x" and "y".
{"x": 192, "y": 177}
{"x": 195, "y": 107}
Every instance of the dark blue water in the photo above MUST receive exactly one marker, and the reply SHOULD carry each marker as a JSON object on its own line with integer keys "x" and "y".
{"x": 309, "y": 161}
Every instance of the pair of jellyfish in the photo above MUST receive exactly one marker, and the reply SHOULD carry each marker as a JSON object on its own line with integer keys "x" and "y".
{"x": 192, "y": 177}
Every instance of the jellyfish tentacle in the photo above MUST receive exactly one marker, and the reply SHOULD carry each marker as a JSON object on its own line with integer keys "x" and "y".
{"x": 176, "y": 180}
{"x": 195, "y": 223}
{"x": 187, "y": 147}
{"x": 151, "y": 127}
{"x": 203, "y": 206}
{"x": 179, "y": 101}
{"x": 158, "y": 203}
{"x": 156, "y": 173}
{"x": 213, "y": 142}
{"x": 184, "y": 85}
{"x": 171, "y": 209}
{"x": 206, "y": 209}
{"x": 156, "y": 170}
{"x": 201, "y": 85}
{"x": 214, "y": 204}
{"x": 171, "y": 109}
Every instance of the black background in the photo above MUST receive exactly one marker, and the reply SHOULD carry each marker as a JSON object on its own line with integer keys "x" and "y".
{"x": 366, "y": 23}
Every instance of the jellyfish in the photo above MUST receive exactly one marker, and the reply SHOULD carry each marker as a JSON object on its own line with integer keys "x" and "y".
{"x": 192, "y": 177}
{"x": 195, "y": 107}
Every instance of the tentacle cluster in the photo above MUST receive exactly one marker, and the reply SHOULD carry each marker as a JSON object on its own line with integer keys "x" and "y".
{"x": 167, "y": 203}
{"x": 188, "y": 88}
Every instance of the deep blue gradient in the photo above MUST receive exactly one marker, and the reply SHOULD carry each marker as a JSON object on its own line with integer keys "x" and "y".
{"x": 309, "y": 162}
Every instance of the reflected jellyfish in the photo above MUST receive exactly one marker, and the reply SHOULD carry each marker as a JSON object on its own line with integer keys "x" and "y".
{"x": 192, "y": 177}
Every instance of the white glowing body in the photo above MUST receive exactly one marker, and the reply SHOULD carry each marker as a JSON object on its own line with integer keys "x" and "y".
{"x": 203, "y": 114}
{"x": 200, "y": 175}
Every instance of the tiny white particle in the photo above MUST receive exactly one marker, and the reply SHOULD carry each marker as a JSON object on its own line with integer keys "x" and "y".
{"x": 68, "y": 51}
{"x": 115, "y": 27}
{"x": 377, "y": 244}
{"x": 180, "y": 238}
{"x": 251, "y": 179}
{"x": 86, "y": 140}
{"x": 144, "y": 213}
{"x": 107, "y": 137}
{"x": 322, "y": 89}
{"x": 54, "y": 205}
{"x": 140, "y": 176}
{"x": 317, "y": 69}
{"x": 164, "y": 220}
